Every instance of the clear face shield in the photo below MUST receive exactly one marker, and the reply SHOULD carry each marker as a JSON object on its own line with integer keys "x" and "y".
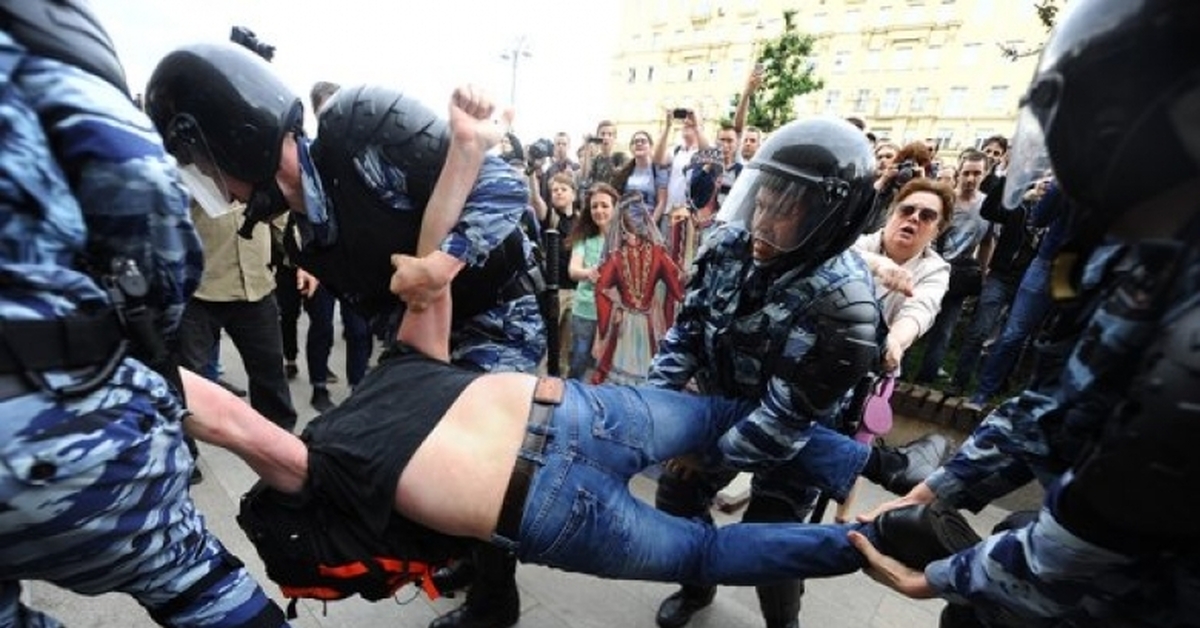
{"x": 1029, "y": 159}
{"x": 772, "y": 208}
{"x": 197, "y": 167}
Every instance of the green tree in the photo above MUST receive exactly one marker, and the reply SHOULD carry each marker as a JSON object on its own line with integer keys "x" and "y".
{"x": 787, "y": 73}
{"x": 1047, "y": 12}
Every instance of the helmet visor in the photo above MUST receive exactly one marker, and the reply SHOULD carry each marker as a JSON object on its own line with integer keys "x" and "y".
{"x": 1029, "y": 160}
{"x": 197, "y": 166}
{"x": 773, "y": 208}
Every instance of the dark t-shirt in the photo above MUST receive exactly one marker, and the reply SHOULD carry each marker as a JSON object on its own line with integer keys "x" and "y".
{"x": 357, "y": 450}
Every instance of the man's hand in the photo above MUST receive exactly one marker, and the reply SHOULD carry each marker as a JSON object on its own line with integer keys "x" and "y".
{"x": 890, "y": 572}
{"x": 306, "y": 284}
{"x": 418, "y": 281}
{"x": 920, "y": 494}
{"x": 471, "y": 121}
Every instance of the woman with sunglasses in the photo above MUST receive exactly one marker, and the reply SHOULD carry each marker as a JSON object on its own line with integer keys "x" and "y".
{"x": 910, "y": 281}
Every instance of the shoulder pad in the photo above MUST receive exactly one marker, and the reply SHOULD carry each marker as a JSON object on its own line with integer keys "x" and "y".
{"x": 64, "y": 30}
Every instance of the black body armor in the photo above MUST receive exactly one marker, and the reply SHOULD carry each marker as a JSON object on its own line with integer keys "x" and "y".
{"x": 358, "y": 266}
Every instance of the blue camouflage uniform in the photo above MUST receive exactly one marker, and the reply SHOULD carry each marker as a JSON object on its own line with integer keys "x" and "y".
{"x": 508, "y": 337}
{"x": 1044, "y": 569}
{"x": 94, "y": 486}
{"x": 763, "y": 352}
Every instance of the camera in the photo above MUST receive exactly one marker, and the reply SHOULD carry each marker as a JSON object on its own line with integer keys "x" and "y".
{"x": 246, "y": 38}
{"x": 594, "y": 140}
{"x": 680, "y": 113}
{"x": 540, "y": 149}
{"x": 905, "y": 171}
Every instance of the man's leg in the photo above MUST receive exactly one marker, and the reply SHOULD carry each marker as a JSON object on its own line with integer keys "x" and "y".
{"x": 253, "y": 326}
{"x": 996, "y": 295}
{"x": 778, "y": 499}
{"x": 937, "y": 339}
{"x": 357, "y": 334}
{"x": 689, "y": 495}
{"x": 318, "y": 345}
{"x": 1029, "y": 309}
{"x": 288, "y": 297}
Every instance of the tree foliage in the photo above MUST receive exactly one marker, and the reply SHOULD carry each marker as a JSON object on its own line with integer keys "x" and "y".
{"x": 787, "y": 73}
{"x": 1047, "y": 12}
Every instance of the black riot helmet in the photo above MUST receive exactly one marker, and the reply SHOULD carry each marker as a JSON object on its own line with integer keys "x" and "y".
{"x": 807, "y": 193}
{"x": 1114, "y": 109}
{"x": 223, "y": 114}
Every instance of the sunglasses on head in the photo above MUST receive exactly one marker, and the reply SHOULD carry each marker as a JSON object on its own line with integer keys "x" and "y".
{"x": 926, "y": 215}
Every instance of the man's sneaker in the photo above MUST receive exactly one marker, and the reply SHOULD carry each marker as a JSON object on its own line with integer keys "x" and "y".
{"x": 919, "y": 534}
{"x": 320, "y": 400}
{"x": 921, "y": 458}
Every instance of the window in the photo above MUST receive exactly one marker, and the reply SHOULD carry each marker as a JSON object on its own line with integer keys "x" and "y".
{"x": 885, "y": 17}
{"x": 872, "y": 60}
{"x": 903, "y": 58}
{"x": 920, "y": 99}
{"x": 945, "y": 138}
{"x": 970, "y": 54}
{"x": 955, "y": 101}
{"x": 891, "y": 101}
{"x": 632, "y": 78}
{"x": 861, "y": 99}
{"x": 998, "y": 98}
{"x": 833, "y": 101}
{"x": 933, "y": 56}
{"x": 650, "y": 74}
{"x": 817, "y": 25}
{"x": 853, "y": 21}
{"x": 841, "y": 59}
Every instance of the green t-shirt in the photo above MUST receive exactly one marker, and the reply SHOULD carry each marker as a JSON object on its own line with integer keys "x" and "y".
{"x": 585, "y": 291}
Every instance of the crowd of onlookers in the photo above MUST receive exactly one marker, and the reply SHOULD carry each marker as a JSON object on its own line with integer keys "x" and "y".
{"x": 662, "y": 195}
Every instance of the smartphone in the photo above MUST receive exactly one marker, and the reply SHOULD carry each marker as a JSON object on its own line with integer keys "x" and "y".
{"x": 680, "y": 113}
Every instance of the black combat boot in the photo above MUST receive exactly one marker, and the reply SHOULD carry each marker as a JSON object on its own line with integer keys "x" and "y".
{"x": 780, "y": 603}
{"x": 908, "y": 465}
{"x": 678, "y": 608}
{"x": 493, "y": 600}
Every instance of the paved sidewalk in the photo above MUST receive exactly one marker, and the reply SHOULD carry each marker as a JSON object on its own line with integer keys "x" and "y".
{"x": 549, "y": 598}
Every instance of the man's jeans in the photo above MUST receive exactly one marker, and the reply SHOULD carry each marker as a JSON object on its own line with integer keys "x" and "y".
{"x": 581, "y": 516}
{"x": 997, "y": 293}
{"x": 1029, "y": 309}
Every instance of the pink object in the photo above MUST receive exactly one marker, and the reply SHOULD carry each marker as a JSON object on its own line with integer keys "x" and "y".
{"x": 877, "y": 415}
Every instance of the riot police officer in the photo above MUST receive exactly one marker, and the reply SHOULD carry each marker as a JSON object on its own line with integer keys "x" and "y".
{"x": 359, "y": 195}
{"x": 778, "y": 311}
{"x": 97, "y": 259}
{"x": 1114, "y": 107}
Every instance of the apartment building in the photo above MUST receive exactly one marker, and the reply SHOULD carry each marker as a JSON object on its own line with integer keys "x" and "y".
{"x": 912, "y": 69}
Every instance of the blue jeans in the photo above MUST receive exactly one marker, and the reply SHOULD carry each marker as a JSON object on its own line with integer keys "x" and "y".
{"x": 1029, "y": 309}
{"x": 581, "y": 516}
{"x": 937, "y": 339}
{"x": 996, "y": 294}
{"x": 583, "y": 333}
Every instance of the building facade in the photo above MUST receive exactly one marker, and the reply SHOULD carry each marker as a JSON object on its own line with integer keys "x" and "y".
{"x": 911, "y": 69}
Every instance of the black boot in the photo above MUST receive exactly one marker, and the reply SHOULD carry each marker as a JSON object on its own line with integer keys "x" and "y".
{"x": 492, "y": 600}
{"x": 908, "y": 465}
{"x": 919, "y": 534}
{"x": 678, "y": 608}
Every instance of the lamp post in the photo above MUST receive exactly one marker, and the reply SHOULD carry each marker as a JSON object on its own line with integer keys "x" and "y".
{"x": 519, "y": 50}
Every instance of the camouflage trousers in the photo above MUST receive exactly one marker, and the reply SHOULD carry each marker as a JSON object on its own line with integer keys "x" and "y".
{"x": 94, "y": 498}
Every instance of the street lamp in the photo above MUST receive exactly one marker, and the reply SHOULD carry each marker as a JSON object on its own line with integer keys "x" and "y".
{"x": 519, "y": 50}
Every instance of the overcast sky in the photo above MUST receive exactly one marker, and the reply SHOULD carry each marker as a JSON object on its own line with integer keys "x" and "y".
{"x": 424, "y": 49}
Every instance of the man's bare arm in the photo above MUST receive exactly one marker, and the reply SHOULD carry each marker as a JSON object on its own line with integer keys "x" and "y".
{"x": 219, "y": 418}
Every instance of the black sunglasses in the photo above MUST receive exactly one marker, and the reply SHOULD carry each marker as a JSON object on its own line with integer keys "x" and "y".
{"x": 924, "y": 214}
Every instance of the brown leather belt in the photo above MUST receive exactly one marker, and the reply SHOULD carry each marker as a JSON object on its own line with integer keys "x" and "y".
{"x": 546, "y": 395}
